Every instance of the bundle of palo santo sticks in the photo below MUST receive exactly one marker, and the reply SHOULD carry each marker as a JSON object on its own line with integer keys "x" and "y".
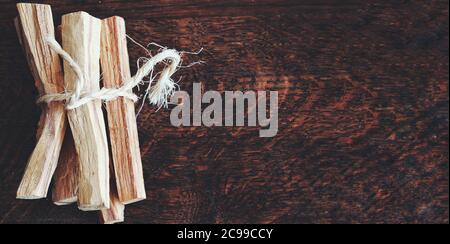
{"x": 91, "y": 162}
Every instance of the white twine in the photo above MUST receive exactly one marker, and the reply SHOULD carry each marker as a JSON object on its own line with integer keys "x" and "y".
{"x": 157, "y": 94}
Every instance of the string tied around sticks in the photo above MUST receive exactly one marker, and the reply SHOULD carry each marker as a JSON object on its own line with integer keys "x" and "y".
{"x": 157, "y": 94}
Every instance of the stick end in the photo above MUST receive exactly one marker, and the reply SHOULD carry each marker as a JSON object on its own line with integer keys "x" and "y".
{"x": 134, "y": 200}
{"x": 28, "y": 197}
{"x": 88, "y": 208}
{"x": 31, "y": 5}
{"x": 67, "y": 201}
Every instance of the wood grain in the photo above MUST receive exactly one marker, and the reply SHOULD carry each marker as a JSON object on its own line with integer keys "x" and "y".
{"x": 65, "y": 180}
{"x": 81, "y": 39}
{"x": 123, "y": 134}
{"x": 116, "y": 211}
{"x": 34, "y": 24}
{"x": 363, "y": 119}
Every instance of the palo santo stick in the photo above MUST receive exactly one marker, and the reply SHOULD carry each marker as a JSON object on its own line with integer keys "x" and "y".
{"x": 121, "y": 114}
{"x": 36, "y": 23}
{"x": 116, "y": 212}
{"x": 81, "y": 40}
{"x": 65, "y": 180}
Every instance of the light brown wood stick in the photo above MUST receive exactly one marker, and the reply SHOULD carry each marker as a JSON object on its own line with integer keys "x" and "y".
{"x": 116, "y": 212}
{"x": 81, "y": 40}
{"x": 65, "y": 180}
{"x": 121, "y": 114}
{"x": 36, "y": 23}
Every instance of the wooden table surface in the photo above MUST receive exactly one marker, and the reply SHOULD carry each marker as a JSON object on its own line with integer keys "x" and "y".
{"x": 363, "y": 113}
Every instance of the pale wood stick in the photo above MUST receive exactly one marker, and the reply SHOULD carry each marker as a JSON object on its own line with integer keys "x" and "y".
{"x": 121, "y": 114}
{"x": 65, "y": 180}
{"x": 116, "y": 212}
{"x": 36, "y": 23}
{"x": 81, "y": 40}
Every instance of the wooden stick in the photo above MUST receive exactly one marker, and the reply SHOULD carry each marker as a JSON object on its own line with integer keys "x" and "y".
{"x": 121, "y": 114}
{"x": 115, "y": 214}
{"x": 36, "y": 23}
{"x": 81, "y": 40}
{"x": 65, "y": 180}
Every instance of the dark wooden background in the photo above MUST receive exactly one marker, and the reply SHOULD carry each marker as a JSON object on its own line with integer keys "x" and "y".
{"x": 364, "y": 113}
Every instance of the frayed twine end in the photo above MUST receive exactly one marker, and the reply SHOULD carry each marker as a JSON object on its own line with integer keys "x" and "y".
{"x": 160, "y": 93}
